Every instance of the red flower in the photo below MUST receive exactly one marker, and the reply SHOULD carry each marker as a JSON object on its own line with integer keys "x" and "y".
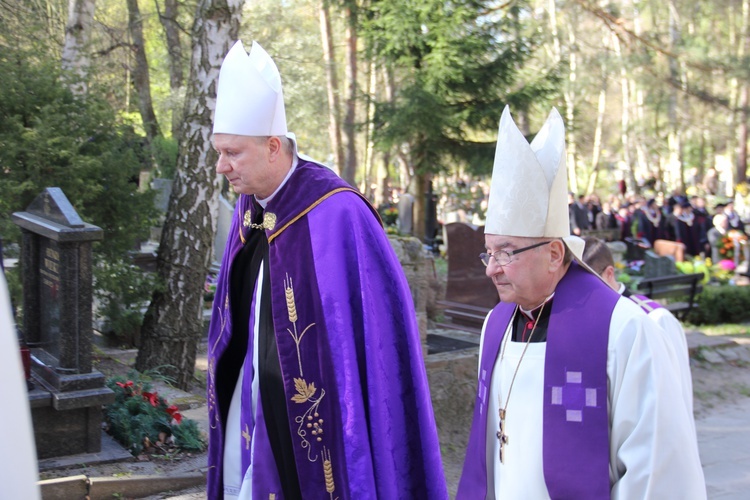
{"x": 174, "y": 413}
{"x": 151, "y": 397}
{"x": 126, "y": 385}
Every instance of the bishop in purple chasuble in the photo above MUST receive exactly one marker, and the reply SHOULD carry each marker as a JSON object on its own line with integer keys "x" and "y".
{"x": 357, "y": 401}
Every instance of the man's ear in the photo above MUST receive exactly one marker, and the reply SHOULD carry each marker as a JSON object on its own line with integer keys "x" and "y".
{"x": 609, "y": 276}
{"x": 557, "y": 254}
{"x": 274, "y": 148}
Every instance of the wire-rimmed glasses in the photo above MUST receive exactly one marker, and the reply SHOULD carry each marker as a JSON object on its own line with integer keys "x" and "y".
{"x": 503, "y": 257}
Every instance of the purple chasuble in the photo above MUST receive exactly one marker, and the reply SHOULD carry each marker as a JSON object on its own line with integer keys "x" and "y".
{"x": 360, "y": 414}
{"x": 575, "y": 421}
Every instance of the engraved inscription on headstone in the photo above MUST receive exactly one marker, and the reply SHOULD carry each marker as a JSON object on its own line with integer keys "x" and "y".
{"x": 49, "y": 295}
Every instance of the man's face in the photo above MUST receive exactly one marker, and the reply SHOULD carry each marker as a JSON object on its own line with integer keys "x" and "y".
{"x": 526, "y": 279}
{"x": 244, "y": 162}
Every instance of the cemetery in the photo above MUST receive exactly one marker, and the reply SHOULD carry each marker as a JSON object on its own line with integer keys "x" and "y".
{"x": 117, "y": 199}
{"x": 71, "y": 398}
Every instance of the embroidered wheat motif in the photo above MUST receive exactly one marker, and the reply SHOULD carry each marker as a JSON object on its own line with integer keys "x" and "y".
{"x": 291, "y": 308}
{"x": 328, "y": 472}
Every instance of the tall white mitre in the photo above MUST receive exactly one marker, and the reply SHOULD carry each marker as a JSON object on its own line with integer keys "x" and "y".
{"x": 249, "y": 99}
{"x": 528, "y": 195}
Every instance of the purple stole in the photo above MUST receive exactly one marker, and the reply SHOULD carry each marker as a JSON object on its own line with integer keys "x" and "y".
{"x": 575, "y": 420}
{"x": 348, "y": 348}
{"x": 645, "y": 303}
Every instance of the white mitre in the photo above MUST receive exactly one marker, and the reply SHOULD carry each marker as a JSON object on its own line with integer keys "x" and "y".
{"x": 528, "y": 194}
{"x": 249, "y": 99}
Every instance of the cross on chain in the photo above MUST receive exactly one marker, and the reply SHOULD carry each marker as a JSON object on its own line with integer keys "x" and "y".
{"x": 246, "y": 435}
{"x": 502, "y": 436}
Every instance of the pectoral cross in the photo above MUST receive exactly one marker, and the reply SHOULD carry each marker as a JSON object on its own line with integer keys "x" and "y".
{"x": 502, "y": 436}
{"x": 246, "y": 435}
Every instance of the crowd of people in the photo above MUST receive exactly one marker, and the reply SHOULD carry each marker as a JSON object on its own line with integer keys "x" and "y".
{"x": 702, "y": 231}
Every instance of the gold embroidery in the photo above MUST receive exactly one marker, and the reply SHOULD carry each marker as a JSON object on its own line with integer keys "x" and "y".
{"x": 304, "y": 391}
{"x": 292, "y": 310}
{"x": 310, "y": 420}
{"x": 247, "y": 219}
{"x": 272, "y": 496}
{"x": 246, "y": 435}
{"x": 328, "y": 472}
{"x": 318, "y": 202}
{"x": 269, "y": 221}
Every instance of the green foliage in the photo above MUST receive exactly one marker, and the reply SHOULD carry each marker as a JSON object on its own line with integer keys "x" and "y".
{"x": 50, "y": 137}
{"x": 123, "y": 290}
{"x": 139, "y": 415}
{"x": 164, "y": 151}
{"x": 457, "y": 69}
{"x": 721, "y": 304}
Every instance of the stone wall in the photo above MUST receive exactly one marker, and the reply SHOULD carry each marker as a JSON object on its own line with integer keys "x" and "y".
{"x": 419, "y": 268}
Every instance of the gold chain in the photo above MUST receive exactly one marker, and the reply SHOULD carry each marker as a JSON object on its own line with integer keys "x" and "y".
{"x": 501, "y": 432}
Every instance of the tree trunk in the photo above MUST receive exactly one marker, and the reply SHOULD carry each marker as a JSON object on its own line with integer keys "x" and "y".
{"x": 370, "y": 176}
{"x": 674, "y": 137}
{"x": 349, "y": 171}
{"x": 174, "y": 49}
{"x": 332, "y": 85}
{"x": 173, "y": 325}
{"x": 627, "y": 156}
{"x": 596, "y": 153}
{"x": 75, "y": 58}
{"x": 140, "y": 75}
{"x": 418, "y": 188}
{"x": 744, "y": 48}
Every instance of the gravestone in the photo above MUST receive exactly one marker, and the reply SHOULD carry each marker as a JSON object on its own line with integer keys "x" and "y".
{"x": 656, "y": 266}
{"x": 469, "y": 293}
{"x": 56, "y": 260}
{"x": 406, "y": 214}
{"x": 618, "y": 249}
{"x": 467, "y": 281}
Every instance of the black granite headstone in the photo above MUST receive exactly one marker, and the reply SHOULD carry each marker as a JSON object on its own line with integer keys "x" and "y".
{"x": 656, "y": 266}
{"x": 56, "y": 264}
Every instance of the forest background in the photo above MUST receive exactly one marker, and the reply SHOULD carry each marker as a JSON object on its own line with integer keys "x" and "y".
{"x": 100, "y": 97}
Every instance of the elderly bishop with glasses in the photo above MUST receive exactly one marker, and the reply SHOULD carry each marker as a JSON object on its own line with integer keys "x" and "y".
{"x": 577, "y": 396}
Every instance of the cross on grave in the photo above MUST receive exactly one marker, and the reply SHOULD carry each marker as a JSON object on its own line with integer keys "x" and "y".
{"x": 246, "y": 435}
{"x": 574, "y": 396}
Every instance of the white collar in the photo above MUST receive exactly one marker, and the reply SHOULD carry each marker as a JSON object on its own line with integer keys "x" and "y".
{"x": 264, "y": 202}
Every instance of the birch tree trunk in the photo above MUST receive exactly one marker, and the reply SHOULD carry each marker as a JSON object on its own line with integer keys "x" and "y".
{"x": 332, "y": 85}
{"x": 674, "y": 138}
{"x": 742, "y": 134}
{"x": 75, "y": 58}
{"x": 639, "y": 136}
{"x": 174, "y": 50}
{"x": 627, "y": 156}
{"x": 597, "y": 148}
{"x": 370, "y": 168}
{"x": 383, "y": 174}
{"x": 569, "y": 95}
{"x": 140, "y": 72}
{"x": 173, "y": 324}
{"x": 349, "y": 170}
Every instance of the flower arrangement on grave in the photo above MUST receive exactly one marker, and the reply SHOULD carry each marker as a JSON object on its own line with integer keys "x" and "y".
{"x": 389, "y": 214}
{"x": 144, "y": 422}
{"x": 730, "y": 242}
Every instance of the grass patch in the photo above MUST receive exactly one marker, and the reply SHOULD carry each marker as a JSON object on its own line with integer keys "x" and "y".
{"x": 733, "y": 329}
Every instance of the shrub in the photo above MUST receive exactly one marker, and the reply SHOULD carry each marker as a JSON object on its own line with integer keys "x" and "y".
{"x": 123, "y": 291}
{"x": 143, "y": 421}
{"x": 721, "y": 304}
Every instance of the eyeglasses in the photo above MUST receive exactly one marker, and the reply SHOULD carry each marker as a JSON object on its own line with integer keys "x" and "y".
{"x": 502, "y": 257}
